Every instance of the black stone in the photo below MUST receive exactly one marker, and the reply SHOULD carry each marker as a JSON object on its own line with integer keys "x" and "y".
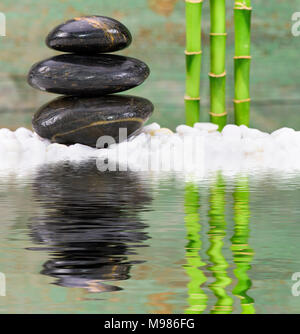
{"x": 70, "y": 120}
{"x": 89, "y": 35}
{"x": 79, "y": 75}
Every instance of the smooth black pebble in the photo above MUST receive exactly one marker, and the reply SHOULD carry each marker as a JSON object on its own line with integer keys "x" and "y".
{"x": 80, "y": 75}
{"x": 89, "y": 35}
{"x": 70, "y": 120}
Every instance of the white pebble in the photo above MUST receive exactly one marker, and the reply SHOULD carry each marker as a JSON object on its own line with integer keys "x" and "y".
{"x": 11, "y": 145}
{"x": 252, "y": 133}
{"x": 185, "y": 130}
{"x": 209, "y": 127}
{"x": 5, "y": 132}
{"x": 283, "y": 132}
{"x": 151, "y": 127}
{"x": 56, "y": 152}
{"x": 235, "y": 149}
{"x": 162, "y": 132}
{"x": 22, "y": 133}
{"x": 232, "y": 131}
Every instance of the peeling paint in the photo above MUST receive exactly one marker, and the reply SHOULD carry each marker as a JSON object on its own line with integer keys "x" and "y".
{"x": 162, "y": 7}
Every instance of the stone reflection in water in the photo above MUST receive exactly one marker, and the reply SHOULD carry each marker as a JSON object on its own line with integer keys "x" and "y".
{"x": 91, "y": 224}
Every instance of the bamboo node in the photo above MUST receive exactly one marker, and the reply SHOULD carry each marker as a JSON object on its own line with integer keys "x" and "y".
{"x": 194, "y": 1}
{"x": 242, "y": 101}
{"x": 188, "y": 98}
{"x": 189, "y": 53}
{"x": 242, "y": 57}
{"x": 242, "y": 6}
{"x": 218, "y": 34}
{"x": 218, "y": 115}
{"x": 213, "y": 75}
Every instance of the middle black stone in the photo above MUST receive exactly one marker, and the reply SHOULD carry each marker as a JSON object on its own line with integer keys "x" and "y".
{"x": 71, "y": 74}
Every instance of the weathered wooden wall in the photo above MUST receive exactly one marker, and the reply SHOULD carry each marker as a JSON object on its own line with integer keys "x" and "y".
{"x": 158, "y": 28}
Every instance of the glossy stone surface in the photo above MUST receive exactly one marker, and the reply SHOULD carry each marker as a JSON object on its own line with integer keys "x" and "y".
{"x": 89, "y": 35}
{"x": 79, "y": 75}
{"x": 70, "y": 120}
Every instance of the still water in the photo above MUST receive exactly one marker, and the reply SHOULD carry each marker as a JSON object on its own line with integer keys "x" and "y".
{"x": 74, "y": 240}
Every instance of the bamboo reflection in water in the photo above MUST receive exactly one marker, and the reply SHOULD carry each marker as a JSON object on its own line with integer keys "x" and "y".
{"x": 197, "y": 298}
{"x": 242, "y": 253}
{"x": 216, "y": 235}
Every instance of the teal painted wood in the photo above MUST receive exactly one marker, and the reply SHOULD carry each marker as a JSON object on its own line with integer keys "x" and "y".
{"x": 158, "y": 29}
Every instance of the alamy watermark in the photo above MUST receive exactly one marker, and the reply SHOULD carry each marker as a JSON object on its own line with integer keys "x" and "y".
{"x": 296, "y": 26}
{"x": 2, "y": 285}
{"x": 296, "y": 286}
{"x": 151, "y": 153}
{"x": 2, "y": 24}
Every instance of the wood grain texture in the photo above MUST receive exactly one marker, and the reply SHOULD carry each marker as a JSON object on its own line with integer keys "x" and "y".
{"x": 158, "y": 40}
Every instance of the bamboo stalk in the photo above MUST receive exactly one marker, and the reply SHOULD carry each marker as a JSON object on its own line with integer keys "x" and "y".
{"x": 242, "y": 60}
{"x": 242, "y": 253}
{"x": 193, "y": 60}
{"x": 217, "y": 73}
{"x": 197, "y": 298}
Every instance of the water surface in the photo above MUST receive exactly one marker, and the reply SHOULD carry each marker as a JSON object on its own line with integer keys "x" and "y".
{"x": 74, "y": 240}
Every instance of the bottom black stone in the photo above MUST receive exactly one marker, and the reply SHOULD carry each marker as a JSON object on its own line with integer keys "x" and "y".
{"x": 70, "y": 119}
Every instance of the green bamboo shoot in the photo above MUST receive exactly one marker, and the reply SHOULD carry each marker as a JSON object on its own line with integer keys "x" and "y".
{"x": 242, "y": 60}
{"x": 217, "y": 73}
{"x": 193, "y": 60}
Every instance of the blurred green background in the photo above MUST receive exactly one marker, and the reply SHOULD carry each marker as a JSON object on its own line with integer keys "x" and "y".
{"x": 158, "y": 29}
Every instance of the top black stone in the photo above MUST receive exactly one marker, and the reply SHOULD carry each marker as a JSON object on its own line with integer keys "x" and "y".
{"x": 89, "y": 35}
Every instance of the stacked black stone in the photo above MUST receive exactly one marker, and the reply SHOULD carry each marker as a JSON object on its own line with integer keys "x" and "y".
{"x": 87, "y": 75}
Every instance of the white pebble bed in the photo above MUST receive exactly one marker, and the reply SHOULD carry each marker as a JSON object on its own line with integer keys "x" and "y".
{"x": 235, "y": 149}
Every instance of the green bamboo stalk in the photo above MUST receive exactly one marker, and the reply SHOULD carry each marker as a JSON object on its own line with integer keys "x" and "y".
{"x": 217, "y": 73}
{"x": 242, "y": 253}
{"x": 216, "y": 235}
{"x": 193, "y": 60}
{"x": 197, "y": 298}
{"x": 242, "y": 60}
